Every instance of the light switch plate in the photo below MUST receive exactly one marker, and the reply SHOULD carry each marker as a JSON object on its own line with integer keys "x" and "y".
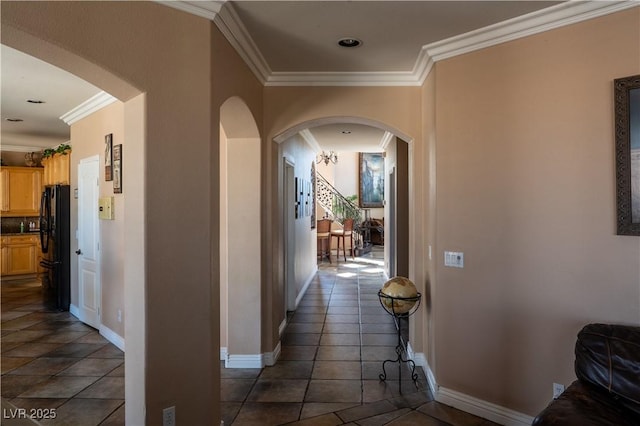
{"x": 454, "y": 259}
{"x": 105, "y": 208}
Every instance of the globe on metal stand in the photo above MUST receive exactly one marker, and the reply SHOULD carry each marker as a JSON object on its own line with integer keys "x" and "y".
{"x": 400, "y": 299}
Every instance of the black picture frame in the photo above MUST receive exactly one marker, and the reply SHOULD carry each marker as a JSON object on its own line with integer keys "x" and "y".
{"x": 108, "y": 157}
{"x": 627, "y": 140}
{"x": 117, "y": 169}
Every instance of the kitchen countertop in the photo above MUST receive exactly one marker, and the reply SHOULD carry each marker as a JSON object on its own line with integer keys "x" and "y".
{"x": 13, "y": 234}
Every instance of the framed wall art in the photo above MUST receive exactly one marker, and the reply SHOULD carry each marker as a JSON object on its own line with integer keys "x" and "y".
{"x": 117, "y": 169}
{"x": 108, "y": 158}
{"x": 371, "y": 179}
{"x": 627, "y": 139}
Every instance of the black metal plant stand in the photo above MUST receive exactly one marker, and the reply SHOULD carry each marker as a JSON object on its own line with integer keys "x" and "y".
{"x": 389, "y": 306}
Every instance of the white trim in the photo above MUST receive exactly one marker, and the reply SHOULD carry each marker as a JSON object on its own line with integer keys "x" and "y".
{"x": 244, "y": 361}
{"x": 270, "y": 358}
{"x": 310, "y": 140}
{"x": 469, "y": 404}
{"x": 421, "y": 361}
{"x": 20, "y": 148}
{"x": 112, "y": 336}
{"x": 88, "y": 107}
{"x": 229, "y": 23}
{"x": 387, "y": 137}
{"x": 484, "y": 409}
{"x": 224, "y": 353}
{"x": 204, "y": 9}
{"x": 251, "y": 360}
{"x": 73, "y": 310}
{"x": 306, "y": 285}
{"x": 282, "y": 326}
{"x": 557, "y": 16}
{"x": 371, "y": 78}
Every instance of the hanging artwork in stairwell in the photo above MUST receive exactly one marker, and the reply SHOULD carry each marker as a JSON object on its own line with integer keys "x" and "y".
{"x": 371, "y": 179}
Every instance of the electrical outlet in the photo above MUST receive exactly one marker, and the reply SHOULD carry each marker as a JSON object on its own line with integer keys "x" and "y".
{"x": 557, "y": 390}
{"x": 169, "y": 416}
{"x": 119, "y": 315}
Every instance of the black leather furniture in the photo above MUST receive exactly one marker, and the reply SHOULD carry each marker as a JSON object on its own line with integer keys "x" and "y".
{"x": 607, "y": 391}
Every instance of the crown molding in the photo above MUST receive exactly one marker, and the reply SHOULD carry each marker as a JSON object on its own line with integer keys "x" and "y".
{"x": 387, "y": 137}
{"x": 229, "y": 23}
{"x": 567, "y": 13}
{"x": 88, "y": 107}
{"x": 571, "y": 12}
{"x": 20, "y": 148}
{"x": 310, "y": 140}
{"x": 204, "y": 9}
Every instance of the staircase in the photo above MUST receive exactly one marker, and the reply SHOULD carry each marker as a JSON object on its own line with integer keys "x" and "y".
{"x": 339, "y": 208}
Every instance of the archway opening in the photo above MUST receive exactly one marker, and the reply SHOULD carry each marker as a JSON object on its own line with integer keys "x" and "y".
{"x": 299, "y": 147}
{"x": 240, "y": 231}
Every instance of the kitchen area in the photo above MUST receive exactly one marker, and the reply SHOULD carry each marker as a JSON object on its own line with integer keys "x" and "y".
{"x": 29, "y": 185}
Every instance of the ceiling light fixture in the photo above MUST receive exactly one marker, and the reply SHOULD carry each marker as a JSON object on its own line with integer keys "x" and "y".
{"x": 324, "y": 157}
{"x": 349, "y": 42}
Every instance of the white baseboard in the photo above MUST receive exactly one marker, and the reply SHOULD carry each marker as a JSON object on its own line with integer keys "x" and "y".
{"x": 270, "y": 358}
{"x": 306, "y": 285}
{"x": 484, "y": 409}
{"x": 73, "y": 310}
{"x": 251, "y": 360}
{"x": 112, "y": 336}
{"x": 104, "y": 331}
{"x": 421, "y": 361}
{"x": 243, "y": 361}
{"x": 469, "y": 404}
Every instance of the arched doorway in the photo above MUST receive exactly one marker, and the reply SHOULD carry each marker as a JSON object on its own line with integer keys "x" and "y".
{"x": 134, "y": 102}
{"x": 292, "y": 149}
{"x": 240, "y": 230}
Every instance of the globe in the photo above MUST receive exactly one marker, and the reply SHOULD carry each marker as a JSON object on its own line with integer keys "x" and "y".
{"x": 399, "y": 287}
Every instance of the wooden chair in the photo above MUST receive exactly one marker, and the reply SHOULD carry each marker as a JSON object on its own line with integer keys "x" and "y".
{"x": 340, "y": 234}
{"x": 323, "y": 229}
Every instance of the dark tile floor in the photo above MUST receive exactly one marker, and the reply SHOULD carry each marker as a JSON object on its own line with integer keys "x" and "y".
{"x": 327, "y": 374}
{"x": 332, "y": 354}
{"x": 54, "y": 365}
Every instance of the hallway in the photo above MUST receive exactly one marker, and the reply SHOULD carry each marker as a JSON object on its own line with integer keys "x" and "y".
{"x": 332, "y": 354}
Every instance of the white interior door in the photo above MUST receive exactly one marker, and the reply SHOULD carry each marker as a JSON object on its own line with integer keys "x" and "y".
{"x": 89, "y": 292}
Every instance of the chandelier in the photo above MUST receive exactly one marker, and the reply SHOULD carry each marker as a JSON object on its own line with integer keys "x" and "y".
{"x": 324, "y": 157}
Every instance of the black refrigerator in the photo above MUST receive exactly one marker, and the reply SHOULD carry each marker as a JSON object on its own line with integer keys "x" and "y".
{"x": 55, "y": 237}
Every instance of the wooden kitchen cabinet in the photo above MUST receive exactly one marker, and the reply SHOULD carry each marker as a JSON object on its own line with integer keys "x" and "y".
{"x": 56, "y": 169}
{"x": 20, "y": 255}
{"x": 20, "y": 191}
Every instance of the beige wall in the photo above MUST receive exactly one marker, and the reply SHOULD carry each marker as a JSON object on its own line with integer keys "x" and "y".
{"x": 521, "y": 135}
{"x": 300, "y": 154}
{"x": 87, "y": 140}
{"x": 526, "y": 189}
{"x": 127, "y": 48}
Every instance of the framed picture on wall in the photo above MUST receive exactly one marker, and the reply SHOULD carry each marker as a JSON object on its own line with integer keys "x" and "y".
{"x": 313, "y": 195}
{"x": 371, "y": 179}
{"x": 117, "y": 169}
{"x": 627, "y": 128}
{"x": 108, "y": 158}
